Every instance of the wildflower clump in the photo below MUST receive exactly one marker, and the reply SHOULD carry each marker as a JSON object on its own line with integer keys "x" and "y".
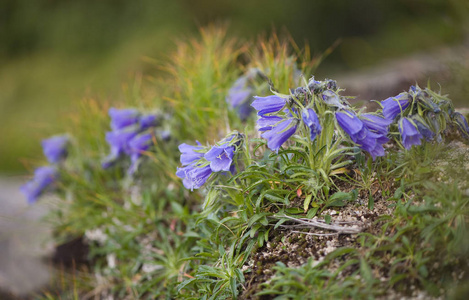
{"x": 167, "y": 217}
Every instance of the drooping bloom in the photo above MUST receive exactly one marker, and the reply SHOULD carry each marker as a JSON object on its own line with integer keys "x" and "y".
{"x": 268, "y": 122}
{"x": 119, "y": 142}
{"x": 310, "y": 118}
{"x": 351, "y": 124}
{"x": 410, "y": 134}
{"x": 121, "y": 118}
{"x": 137, "y": 145}
{"x": 280, "y": 133}
{"x": 239, "y": 92}
{"x": 269, "y": 104}
{"x": 44, "y": 177}
{"x": 359, "y": 133}
{"x": 395, "y": 105}
{"x": 190, "y": 153}
{"x": 194, "y": 175}
{"x": 461, "y": 122}
{"x": 55, "y": 148}
{"x": 424, "y": 129}
{"x": 220, "y": 157}
{"x": 376, "y": 123}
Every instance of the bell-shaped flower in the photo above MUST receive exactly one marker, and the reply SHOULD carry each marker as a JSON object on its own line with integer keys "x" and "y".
{"x": 44, "y": 177}
{"x": 280, "y": 133}
{"x": 376, "y": 123}
{"x": 220, "y": 157}
{"x": 194, "y": 175}
{"x": 424, "y": 129}
{"x": 121, "y": 118}
{"x": 119, "y": 142}
{"x": 239, "y": 92}
{"x": 351, "y": 124}
{"x": 409, "y": 132}
{"x": 310, "y": 118}
{"x": 190, "y": 153}
{"x": 269, "y": 104}
{"x": 367, "y": 140}
{"x": 268, "y": 122}
{"x": 461, "y": 122}
{"x": 55, "y": 148}
{"x": 395, "y": 105}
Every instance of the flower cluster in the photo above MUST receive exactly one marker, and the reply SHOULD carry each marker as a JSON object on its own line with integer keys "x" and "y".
{"x": 200, "y": 162}
{"x": 281, "y": 116}
{"x": 421, "y": 114}
{"x": 131, "y": 135}
{"x": 55, "y": 150}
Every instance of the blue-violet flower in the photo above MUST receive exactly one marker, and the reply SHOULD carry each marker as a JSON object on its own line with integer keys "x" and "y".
{"x": 269, "y": 104}
{"x": 310, "y": 118}
{"x": 410, "y": 134}
{"x": 395, "y": 105}
{"x": 280, "y": 133}
{"x": 55, "y": 148}
{"x": 44, "y": 177}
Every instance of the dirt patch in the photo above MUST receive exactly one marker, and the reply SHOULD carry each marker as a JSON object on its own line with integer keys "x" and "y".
{"x": 294, "y": 243}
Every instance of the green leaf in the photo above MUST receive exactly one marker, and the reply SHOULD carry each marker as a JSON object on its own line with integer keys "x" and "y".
{"x": 328, "y": 219}
{"x": 371, "y": 201}
{"x": 365, "y": 271}
{"x": 312, "y": 212}
{"x": 307, "y": 202}
{"x": 294, "y": 210}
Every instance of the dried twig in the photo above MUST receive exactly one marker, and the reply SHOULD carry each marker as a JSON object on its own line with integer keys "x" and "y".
{"x": 306, "y": 223}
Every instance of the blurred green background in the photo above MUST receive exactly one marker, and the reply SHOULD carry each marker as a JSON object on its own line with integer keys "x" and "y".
{"x": 55, "y": 52}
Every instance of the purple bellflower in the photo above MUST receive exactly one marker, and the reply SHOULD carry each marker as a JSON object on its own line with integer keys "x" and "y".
{"x": 395, "y": 105}
{"x": 310, "y": 118}
{"x": 461, "y": 122}
{"x": 376, "y": 123}
{"x": 239, "y": 92}
{"x": 269, "y": 104}
{"x": 194, "y": 175}
{"x": 119, "y": 142}
{"x": 410, "y": 134}
{"x": 55, "y": 148}
{"x": 280, "y": 133}
{"x": 44, "y": 177}
{"x": 194, "y": 171}
{"x": 268, "y": 122}
{"x": 360, "y": 134}
{"x": 351, "y": 124}
{"x": 424, "y": 129}
{"x": 220, "y": 157}
{"x": 121, "y": 118}
{"x": 189, "y": 154}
